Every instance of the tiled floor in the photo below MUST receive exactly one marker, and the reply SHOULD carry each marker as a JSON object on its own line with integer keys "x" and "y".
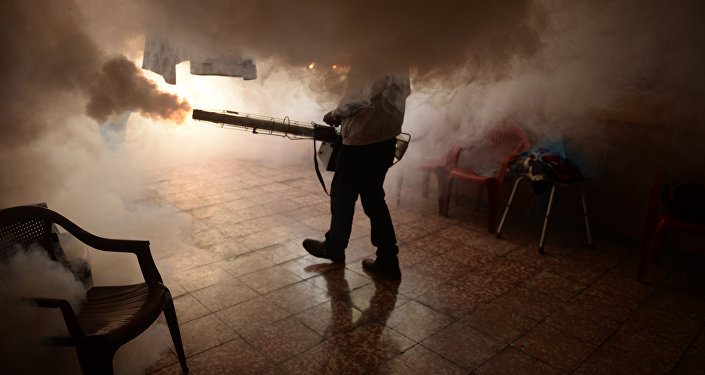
{"x": 251, "y": 301}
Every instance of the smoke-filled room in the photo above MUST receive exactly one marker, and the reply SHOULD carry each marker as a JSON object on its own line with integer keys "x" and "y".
{"x": 282, "y": 187}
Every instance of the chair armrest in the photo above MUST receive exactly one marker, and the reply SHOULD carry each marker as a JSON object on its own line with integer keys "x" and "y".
{"x": 139, "y": 248}
{"x": 70, "y": 319}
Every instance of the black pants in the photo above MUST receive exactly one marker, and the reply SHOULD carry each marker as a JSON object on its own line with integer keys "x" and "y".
{"x": 360, "y": 170}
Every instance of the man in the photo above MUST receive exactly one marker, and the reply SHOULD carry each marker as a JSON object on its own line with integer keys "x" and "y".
{"x": 371, "y": 116}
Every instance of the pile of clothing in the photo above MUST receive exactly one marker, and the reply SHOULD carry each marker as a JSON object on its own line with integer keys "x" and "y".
{"x": 545, "y": 167}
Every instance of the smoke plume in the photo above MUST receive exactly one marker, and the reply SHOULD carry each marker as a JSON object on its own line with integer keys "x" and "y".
{"x": 50, "y": 57}
{"x": 31, "y": 274}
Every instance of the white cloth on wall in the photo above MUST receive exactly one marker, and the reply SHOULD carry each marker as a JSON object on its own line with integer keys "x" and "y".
{"x": 161, "y": 57}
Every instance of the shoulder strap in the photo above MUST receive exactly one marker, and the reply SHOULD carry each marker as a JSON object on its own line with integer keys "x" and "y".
{"x": 318, "y": 171}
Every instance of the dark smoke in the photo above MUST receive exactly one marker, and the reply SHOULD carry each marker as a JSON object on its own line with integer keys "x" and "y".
{"x": 119, "y": 86}
{"x": 49, "y": 57}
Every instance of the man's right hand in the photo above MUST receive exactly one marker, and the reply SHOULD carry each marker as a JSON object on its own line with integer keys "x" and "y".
{"x": 331, "y": 119}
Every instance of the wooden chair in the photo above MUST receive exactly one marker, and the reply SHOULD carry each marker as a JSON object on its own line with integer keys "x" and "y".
{"x": 112, "y": 315}
{"x": 506, "y": 142}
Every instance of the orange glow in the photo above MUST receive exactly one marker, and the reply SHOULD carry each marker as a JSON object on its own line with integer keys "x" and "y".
{"x": 312, "y": 65}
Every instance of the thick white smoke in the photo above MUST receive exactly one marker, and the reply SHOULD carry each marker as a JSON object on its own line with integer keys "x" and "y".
{"x": 31, "y": 274}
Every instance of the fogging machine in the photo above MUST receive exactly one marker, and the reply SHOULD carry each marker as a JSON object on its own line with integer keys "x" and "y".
{"x": 329, "y": 136}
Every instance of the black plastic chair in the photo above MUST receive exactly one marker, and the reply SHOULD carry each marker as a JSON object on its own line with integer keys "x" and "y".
{"x": 112, "y": 315}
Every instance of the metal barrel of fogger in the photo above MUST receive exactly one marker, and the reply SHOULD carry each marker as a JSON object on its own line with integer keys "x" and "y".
{"x": 319, "y": 132}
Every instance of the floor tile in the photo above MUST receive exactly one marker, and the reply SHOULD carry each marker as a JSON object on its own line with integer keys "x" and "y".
{"x": 450, "y": 300}
{"x": 489, "y": 243}
{"x": 692, "y": 362}
{"x": 582, "y": 324}
{"x": 458, "y": 235}
{"x": 557, "y": 286}
{"x": 283, "y": 252}
{"x": 224, "y": 294}
{"x": 205, "y": 333}
{"x": 678, "y": 327}
{"x": 410, "y": 255}
{"x": 571, "y": 270}
{"x": 233, "y": 357}
{"x": 484, "y": 285}
{"x": 201, "y": 277}
{"x": 372, "y": 343}
{"x": 419, "y": 361}
{"x": 599, "y": 302}
{"x": 323, "y": 359}
{"x": 605, "y": 362}
{"x": 377, "y": 300}
{"x": 533, "y": 303}
{"x": 332, "y": 318}
{"x": 463, "y": 345}
{"x": 470, "y": 256}
{"x": 246, "y": 263}
{"x": 613, "y": 282}
{"x": 441, "y": 268}
{"x": 308, "y": 266}
{"x": 189, "y": 308}
{"x": 512, "y": 361}
{"x": 645, "y": 347}
{"x": 554, "y": 347}
{"x": 298, "y": 297}
{"x": 282, "y": 340}
{"x": 253, "y": 313}
{"x": 436, "y": 243}
{"x": 269, "y": 279}
{"x": 414, "y": 283}
{"x": 339, "y": 281}
{"x": 417, "y": 321}
{"x": 509, "y": 270}
{"x": 503, "y": 322}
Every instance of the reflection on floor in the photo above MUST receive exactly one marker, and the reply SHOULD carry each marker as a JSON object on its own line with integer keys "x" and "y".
{"x": 251, "y": 301}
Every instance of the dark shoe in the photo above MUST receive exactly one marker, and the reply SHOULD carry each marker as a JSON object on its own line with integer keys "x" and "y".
{"x": 388, "y": 270}
{"x": 319, "y": 250}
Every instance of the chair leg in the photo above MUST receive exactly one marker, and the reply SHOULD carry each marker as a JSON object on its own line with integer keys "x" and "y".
{"x": 173, "y": 323}
{"x": 444, "y": 190}
{"x": 509, "y": 204}
{"x": 478, "y": 197}
{"x": 95, "y": 359}
{"x": 426, "y": 182}
{"x": 493, "y": 207}
{"x": 585, "y": 215}
{"x": 647, "y": 253}
{"x": 545, "y": 220}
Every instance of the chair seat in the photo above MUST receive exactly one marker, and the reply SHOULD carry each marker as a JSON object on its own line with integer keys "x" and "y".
{"x": 470, "y": 176}
{"x": 123, "y": 311}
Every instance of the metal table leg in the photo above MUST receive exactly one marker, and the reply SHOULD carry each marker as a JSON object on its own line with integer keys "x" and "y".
{"x": 545, "y": 220}
{"x": 506, "y": 209}
{"x": 585, "y": 215}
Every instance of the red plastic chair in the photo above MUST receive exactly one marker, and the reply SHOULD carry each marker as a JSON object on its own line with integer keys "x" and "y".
{"x": 506, "y": 142}
{"x": 441, "y": 169}
{"x": 658, "y": 222}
